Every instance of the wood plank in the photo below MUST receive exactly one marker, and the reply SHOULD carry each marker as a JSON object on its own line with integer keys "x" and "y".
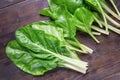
{"x": 103, "y": 63}
{"x": 20, "y": 15}
{"x": 6, "y": 3}
{"x": 16, "y": 16}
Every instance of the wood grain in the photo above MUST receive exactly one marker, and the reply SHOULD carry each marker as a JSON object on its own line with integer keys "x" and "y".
{"x": 6, "y": 3}
{"x": 104, "y": 63}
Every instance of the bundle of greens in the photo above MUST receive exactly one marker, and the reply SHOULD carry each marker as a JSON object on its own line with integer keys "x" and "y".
{"x": 40, "y": 47}
{"x": 100, "y": 6}
{"x": 67, "y": 22}
{"x": 45, "y": 45}
{"x": 83, "y": 14}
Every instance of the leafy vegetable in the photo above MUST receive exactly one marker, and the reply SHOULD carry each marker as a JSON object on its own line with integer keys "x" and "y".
{"x": 50, "y": 28}
{"x": 100, "y": 5}
{"x": 86, "y": 17}
{"x": 36, "y": 52}
{"x": 112, "y": 2}
{"x": 72, "y": 5}
{"x": 63, "y": 19}
{"x": 83, "y": 14}
{"x": 45, "y": 45}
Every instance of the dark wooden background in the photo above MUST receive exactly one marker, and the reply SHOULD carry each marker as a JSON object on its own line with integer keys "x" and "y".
{"x": 104, "y": 63}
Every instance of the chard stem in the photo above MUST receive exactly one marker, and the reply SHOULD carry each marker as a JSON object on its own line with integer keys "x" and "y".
{"x": 75, "y": 49}
{"x": 110, "y": 11}
{"x": 113, "y": 21}
{"x": 112, "y": 28}
{"x": 94, "y": 38}
{"x": 82, "y": 65}
{"x": 98, "y": 22}
{"x": 103, "y": 13}
{"x": 100, "y": 30}
{"x": 74, "y": 55}
{"x": 96, "y": 33}
{"x": 79, "y": 45}
{"x": 83, "y": 47}
{"x": 73, "y": 43}
{"x": 87, "y": 49}
{"x": 70, "y": 66}
{"x": 112, "y": 2}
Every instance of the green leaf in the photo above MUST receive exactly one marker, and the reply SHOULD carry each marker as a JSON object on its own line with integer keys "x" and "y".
{"x": 46, "y": 12}
{"x": 36, "y": 52}
{"x": 84, "y": 15}
{"x": 85, "y": 20}
{"x": 68, "y": 22}
{"x": 50, "y": 28}
{"x": 71, "y": 5}
{"x": 27, "y": 60}
{"x": 64, "y": 20}
{"x": 93, "y": 4}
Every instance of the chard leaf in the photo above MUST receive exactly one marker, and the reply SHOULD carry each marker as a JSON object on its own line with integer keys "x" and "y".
{"x": 64, "y": 20}
{"x": 49, "y": 27}
{"x": 28, "y": 60}
{"x": 36, "y": 52}
{"x": 46, "y": 12}
{"x": 93, "y": 4}
{"x": 85, "y": 20}
{"x": 68, "y": 22}
{"x": 71, "y": 5}
{"x": 84, "y": 15}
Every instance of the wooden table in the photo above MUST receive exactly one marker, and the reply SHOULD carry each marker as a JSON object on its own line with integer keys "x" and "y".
{"x": 104, "y": 63}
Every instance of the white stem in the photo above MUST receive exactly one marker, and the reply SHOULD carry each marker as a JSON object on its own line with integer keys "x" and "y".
{"x": 96, "y": 33}
{"x": 75, "y": 68}
{"x": 74, "y": 54}
{"x": 110, "y": 11}
{"x": 112, "y": 28}
{"x": 75, "y": 49}
{"x": 79, "y": 45}
{"x": 102, "y": 12}
{"x": 112, "y": 2}
{"x": 113, "y": 21}
{"x": 97, "y": 41}
{"x": 77, "y": 63}
{"x": 85, "y": 48}
{"x": 100, "y": 30}
{"x": 98, "y": 22}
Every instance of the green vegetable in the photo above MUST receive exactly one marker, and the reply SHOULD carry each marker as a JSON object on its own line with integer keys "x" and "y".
{"x": 69, "y": 22}
{"x": 50, "y": 28}
{"x": 86, "y": 16}
{"x": 112, "y": 2}
{"x": 45, "y": 45}
{"x": 35, "y": 52}
{"x": 100, "y": 5}
{"x": 86, "y": 19}
{"x": 65, "y": 20}
{"x": 71, "y": 5}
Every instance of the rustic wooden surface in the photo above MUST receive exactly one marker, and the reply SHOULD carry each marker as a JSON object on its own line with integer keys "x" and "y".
{"x": 104, "y": 63}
